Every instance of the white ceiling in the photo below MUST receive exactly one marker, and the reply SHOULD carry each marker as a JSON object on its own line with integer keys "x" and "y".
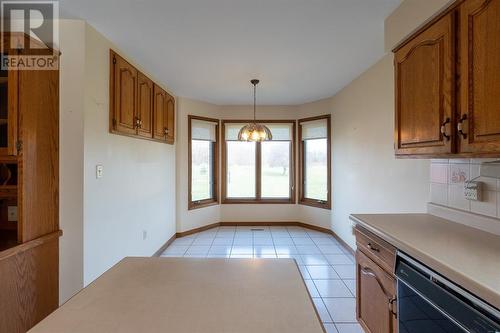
{"x": 302, "y": 50}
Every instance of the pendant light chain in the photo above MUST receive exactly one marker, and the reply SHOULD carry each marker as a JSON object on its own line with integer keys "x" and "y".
{"x": 254, "y": 132}
{"x": 254, "y": 101}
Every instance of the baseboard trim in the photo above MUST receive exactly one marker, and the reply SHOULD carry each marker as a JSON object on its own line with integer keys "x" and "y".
{"x": 344, "y": 244}
{"x": 164, "y": 246}
{"x": 328, "y": 231}
{"x": 200, "y": 229}
{"x": 275, "y": 224}
{"x": 267, "y": 224}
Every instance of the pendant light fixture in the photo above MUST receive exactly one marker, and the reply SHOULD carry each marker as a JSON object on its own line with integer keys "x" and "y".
{"x": 254, "y": 132}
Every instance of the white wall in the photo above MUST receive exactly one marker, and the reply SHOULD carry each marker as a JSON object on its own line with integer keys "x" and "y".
{"x": 137, "y": 192}
{"x": 367, "y": 178}
{"x": 71, "y": 85}
{"x": 103, "y": 220}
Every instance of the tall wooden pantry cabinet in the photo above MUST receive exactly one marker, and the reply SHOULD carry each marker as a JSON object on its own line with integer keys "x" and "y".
{"x": 29, "y": 196}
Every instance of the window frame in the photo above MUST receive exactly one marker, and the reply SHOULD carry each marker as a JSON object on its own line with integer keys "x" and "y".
{"x": 302, "y": 199}
{"x": 258, "y": 167}
{"x": 215, "y": 181}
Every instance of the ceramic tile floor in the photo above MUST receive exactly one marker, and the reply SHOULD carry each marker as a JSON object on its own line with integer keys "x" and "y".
{"x": 328, "y": 268}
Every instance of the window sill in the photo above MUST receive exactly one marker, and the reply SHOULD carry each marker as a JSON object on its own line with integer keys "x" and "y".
{"x": 316, "y": 204}
{"x": 256, "y": 202}
{"x": 202, "y": 204}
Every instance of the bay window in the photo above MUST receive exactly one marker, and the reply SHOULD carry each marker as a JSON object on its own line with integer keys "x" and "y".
{"x": 258, "y": 172}
{"x": 314, "y": 161}
{"x": 203, "y": 161}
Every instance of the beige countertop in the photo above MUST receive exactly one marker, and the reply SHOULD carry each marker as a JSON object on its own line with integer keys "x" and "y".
{"x": 468, "y": 257}
{"x": 190, "y": 295}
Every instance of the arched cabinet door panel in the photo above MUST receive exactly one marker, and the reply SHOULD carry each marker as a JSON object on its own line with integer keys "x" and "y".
{"x": 424, "y": 89}
{"x": 479, "y": 114}
{"x": 160, "y": 106}
{"x": 144, "y": 119}
{"x": 170, "y": 119}
{"x": 164, "y": 115}
{"x": 124, "y": 96}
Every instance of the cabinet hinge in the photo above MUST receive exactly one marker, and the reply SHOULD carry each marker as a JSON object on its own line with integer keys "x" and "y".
{"x": 19, "y": 146}
{"x": 114, "y": 60}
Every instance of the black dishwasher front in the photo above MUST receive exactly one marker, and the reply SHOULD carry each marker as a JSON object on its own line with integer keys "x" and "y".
{"x": 428, "y": 303}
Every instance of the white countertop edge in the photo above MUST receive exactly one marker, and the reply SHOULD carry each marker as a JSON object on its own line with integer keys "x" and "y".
{"x": 481, "y": 222}
{"x": 479, "y": 290}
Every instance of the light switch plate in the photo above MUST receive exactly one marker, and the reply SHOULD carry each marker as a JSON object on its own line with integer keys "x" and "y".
{"x": 99, "y": 169}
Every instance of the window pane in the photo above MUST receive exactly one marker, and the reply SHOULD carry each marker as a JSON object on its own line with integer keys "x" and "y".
{"x": 316, "y": 169}
{"x": 201, "y": 170}
{"x": 240, "y": 169}
{"x": 275, "y": 169}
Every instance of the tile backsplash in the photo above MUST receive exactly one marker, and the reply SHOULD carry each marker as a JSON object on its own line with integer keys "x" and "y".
{"x": 447, "y": 186}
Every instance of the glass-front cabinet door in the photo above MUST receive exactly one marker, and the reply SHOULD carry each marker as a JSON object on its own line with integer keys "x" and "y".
{"x": 8, "y": 113}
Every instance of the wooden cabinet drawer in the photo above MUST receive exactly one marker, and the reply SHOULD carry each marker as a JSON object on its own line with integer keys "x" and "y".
{"x": 376, "y": 249}
{"x": 375, "y": 297}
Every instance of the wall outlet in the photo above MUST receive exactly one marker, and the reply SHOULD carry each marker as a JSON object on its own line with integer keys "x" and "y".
{"x": 99, "y": 169}
{"x": 472, "y": 191}
{"x": 12, "y": 213}
{"x": 144, "y": 234}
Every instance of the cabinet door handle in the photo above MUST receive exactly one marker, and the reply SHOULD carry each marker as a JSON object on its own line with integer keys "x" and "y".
{"x": 369, "y": 272}
{"x": 392, "y": 306}
{"x": 166, "y": 131}
{"x": 373, "y": 248}
{"x": 443, "y": 129}
{"x": 138, "y": 122}
{"x": 460, "y": 126}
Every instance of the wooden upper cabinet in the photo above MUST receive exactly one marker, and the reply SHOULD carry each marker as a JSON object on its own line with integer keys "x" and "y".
{"x": 170, "y": 119}
{"x": 124, "y": 96}
{"x": 144, "y": 119}
{"x": 479, "y": 113}
{"x": 376, "y": 297}
{"x": 138, "y": 106}
{"x": 164, "y": 115}
{"x": 160, "y": 103}
{"x": 424, "y": 83}
{"x": 38, "y": 167}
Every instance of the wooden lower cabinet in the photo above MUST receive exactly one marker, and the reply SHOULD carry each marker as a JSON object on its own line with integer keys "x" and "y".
{"x": 29, "y": 283}
{"x": 376, "y": 297}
